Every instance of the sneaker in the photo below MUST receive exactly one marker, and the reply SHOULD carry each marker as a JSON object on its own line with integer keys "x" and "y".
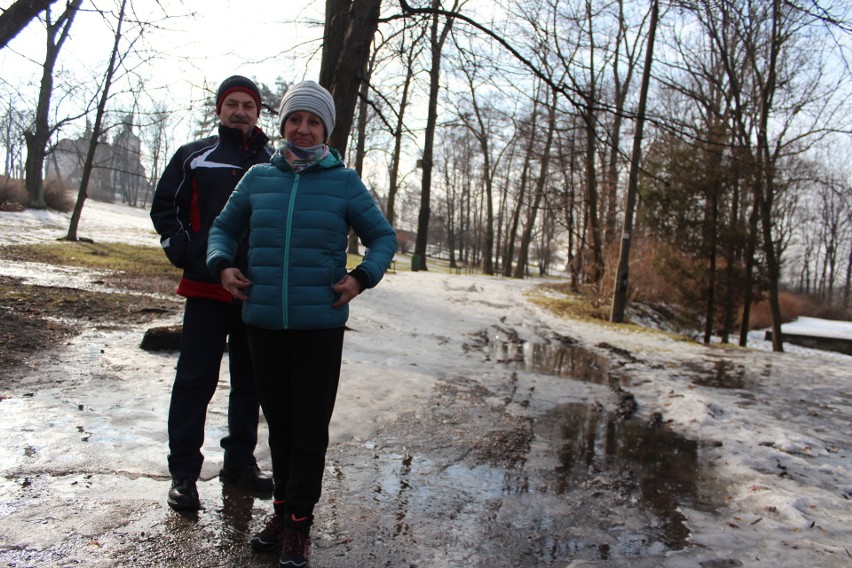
{"x": 297, "y": 546}
{"x": 183, "y": 495}
{"x": 271, "y": 537}
{"x": 247, "y": 476}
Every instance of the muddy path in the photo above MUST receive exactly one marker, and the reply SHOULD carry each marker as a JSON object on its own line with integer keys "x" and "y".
{"x": 467, "y": 473}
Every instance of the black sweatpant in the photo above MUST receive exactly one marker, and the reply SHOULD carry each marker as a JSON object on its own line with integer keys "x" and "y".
{"x": 207, "y": 325}
{"x": 297, "y": 373}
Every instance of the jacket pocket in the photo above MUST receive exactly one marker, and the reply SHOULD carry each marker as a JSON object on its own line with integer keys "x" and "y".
{"x": 175, "y": 248}
{"x": 337, "y": 274}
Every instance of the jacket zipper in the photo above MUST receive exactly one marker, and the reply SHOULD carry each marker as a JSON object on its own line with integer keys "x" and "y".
{"x": 286, "y": 271}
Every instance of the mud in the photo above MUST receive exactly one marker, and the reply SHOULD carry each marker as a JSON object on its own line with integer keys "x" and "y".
{"x": 472, "y": 476}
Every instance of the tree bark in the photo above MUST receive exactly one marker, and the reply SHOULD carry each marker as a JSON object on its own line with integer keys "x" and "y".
{"x": 349, "y": 30}
{"x": 523, "y": 253}
{"x": 96, "y": 130}
{"x": 17, "y": 16}
{"x": 38, "y": 137}
{"x": 438, "y": 37}
{"x": 619, "y": 301}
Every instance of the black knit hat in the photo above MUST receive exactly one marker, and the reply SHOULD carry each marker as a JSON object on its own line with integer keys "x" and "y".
{"x": 237, "y": 83}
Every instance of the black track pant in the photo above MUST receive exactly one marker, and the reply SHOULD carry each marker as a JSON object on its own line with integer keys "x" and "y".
{"x": 297, "y": 373}
{"x": 207, "y": 324}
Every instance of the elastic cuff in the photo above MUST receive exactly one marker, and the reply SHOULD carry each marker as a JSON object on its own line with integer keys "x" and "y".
{"x": 222, "y": 265}
{"x": 361, "y": 277}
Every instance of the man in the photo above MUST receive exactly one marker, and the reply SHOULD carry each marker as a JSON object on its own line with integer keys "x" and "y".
{"x": 194, "y": 188}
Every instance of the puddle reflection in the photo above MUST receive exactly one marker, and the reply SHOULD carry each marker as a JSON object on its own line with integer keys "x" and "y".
{"x": 598, "y": 448}
{"x": 660, "y": 468}
{"x": 559, "y": 360}
{"x": 722, "y": 375}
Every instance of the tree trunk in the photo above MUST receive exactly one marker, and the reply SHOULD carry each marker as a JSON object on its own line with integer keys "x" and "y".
{"x": 767, "y": 172}
{"x": 848, "y": 284}
{"x": 523, "y": 253}
{"x": 597, "y": 269}
{"x": 512, "y": 230}
{"x": 620, "y": 90}
{"x": 751, "y": 247}
{"x": 96, "y": 130}
{"x": 730, "y": 273}
{"x": 349, "y": 30}
{"x": 361, "y": 140}
{"x": 619, "y": 301}
{"x": 393, "y": 183}
{"x": 712, "y": 229}
{"x": 18, "y": 15}
{"x": 482, "y": 137}
{"x": 437, "y": 44}
{"x": 38, "y": 138}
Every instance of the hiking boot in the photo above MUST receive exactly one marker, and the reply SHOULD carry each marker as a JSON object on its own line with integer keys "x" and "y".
{"x": 247, "y": 476}
{"x": 271, "y": 537}
{"x": 297, "y": 545}
{"x": 183, "y": 495}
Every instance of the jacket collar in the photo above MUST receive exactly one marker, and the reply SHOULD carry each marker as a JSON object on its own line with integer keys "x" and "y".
{"x": 257, "y": 139}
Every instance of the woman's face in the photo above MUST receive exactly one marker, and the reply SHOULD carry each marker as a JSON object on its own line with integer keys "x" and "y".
{"x": 304, "y": 129}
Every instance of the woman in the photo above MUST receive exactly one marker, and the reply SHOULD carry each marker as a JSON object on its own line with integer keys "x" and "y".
{"x": 298, "y": 211}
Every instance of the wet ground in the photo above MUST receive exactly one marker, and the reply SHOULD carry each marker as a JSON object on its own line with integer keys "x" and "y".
{"x": 460, "y": 480}
{"x": 466, "y": 433}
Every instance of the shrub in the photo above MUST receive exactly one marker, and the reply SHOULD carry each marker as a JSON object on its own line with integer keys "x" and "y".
{"x": 57, "y": 196}
{"x": 830, "y": 312}
{"x": 13, "y": 194}
{"x": 14, "y": 197}
{"x": 792, "y": 306}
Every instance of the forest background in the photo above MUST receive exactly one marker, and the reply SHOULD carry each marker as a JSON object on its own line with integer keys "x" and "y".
{"x": 688, "y": 153}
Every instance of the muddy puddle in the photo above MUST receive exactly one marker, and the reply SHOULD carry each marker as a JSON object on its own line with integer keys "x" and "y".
{"x": 560, "y": 359}
{"x": 604, "y": 448}
{"x": 720, "y": 374}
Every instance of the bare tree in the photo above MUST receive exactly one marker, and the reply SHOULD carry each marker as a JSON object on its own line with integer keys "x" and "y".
{"x": 349, "y": 29}
{"x": 155, "y": 135}
{"x": 409, "y": 52}
{"x": 112, "y": 67}
{"x": 38, "y": 137}
{"x": 513, "y": 224}
{"x": 544, "y": 166}
{"x": 479, "y": 120}
{"x": 619, "y": 301}
{"x": 438, "y": 37}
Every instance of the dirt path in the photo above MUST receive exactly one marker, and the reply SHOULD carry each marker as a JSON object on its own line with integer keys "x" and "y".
{"x": 471, "y": 430}
{"x": 455, "y": 478}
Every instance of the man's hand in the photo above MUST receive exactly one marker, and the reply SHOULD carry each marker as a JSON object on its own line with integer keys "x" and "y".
{"x": 235, "y": 282}
{"x": 348, "y": 288}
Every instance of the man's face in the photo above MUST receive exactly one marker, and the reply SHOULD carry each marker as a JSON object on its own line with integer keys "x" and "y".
{"x": 239, "y": 111}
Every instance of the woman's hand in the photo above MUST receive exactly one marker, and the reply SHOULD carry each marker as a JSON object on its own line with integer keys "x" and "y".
{"x": 234, "y": 282}
{"x": 348, "y": 287}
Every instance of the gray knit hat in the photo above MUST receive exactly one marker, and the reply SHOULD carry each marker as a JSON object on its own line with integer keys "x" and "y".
{"x": 311, "y": 97}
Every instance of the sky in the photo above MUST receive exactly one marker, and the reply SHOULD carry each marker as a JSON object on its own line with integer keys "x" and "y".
{"x": 774, "y": 426}
{"x": 194, "y": 48}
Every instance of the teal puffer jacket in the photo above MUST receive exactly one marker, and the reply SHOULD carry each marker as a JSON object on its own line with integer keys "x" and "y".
{"x": 298, "y": 226}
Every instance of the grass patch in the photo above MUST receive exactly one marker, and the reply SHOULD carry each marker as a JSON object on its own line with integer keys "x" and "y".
{"x": 132, "y": 259}
{"x": 558, "y": 298}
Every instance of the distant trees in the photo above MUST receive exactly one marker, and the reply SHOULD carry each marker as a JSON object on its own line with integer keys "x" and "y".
{"x": 751, "y": 102}
{"x": 506, "y": 141}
